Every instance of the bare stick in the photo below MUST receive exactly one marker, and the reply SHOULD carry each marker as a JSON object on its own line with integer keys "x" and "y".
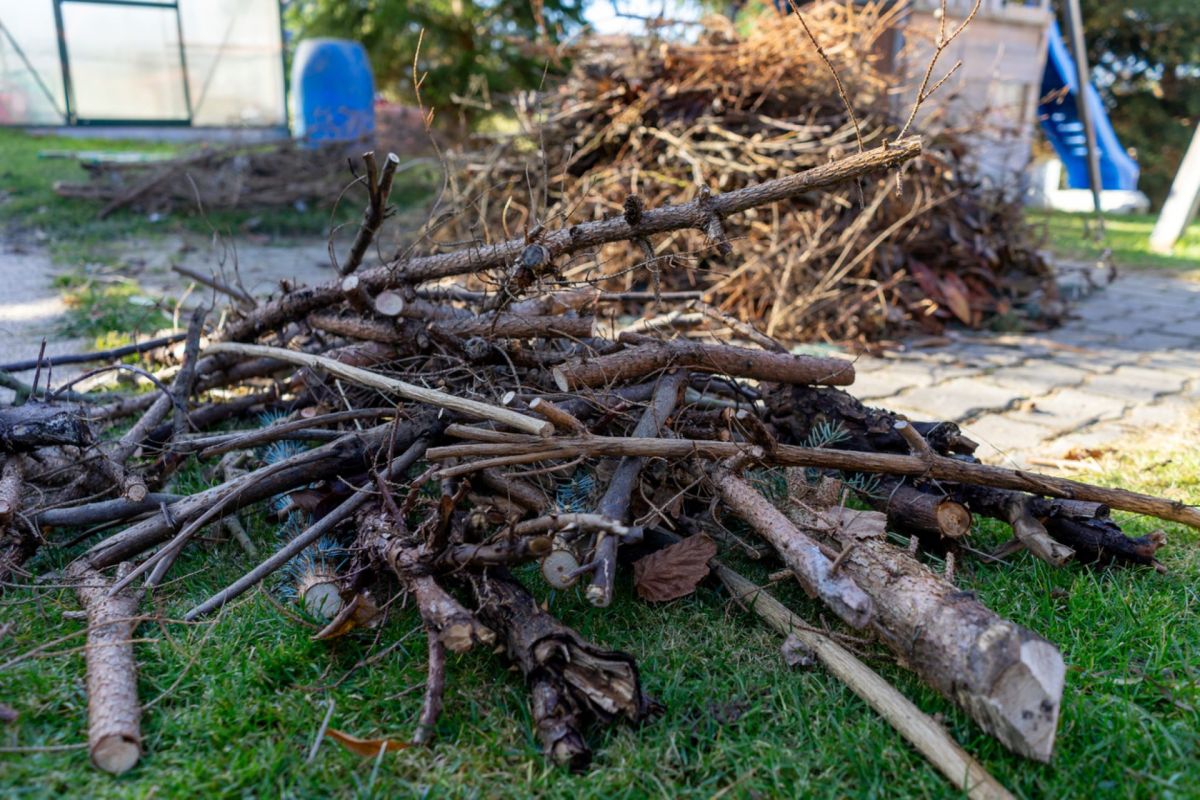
{"x": 408, "y": 391}
{"x": 98, "y": 355}
{"x": 219, "y": 285}
{"x": 614, "y": 504}
{"x": 435, "y": 686}
{"x": 559, "y": 417}
{"x": 638, "y": 362}
{"x": 375, "y": 212}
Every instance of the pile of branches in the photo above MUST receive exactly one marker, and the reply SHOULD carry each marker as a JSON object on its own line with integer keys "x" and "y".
{"x": 237, "y": 176}
{"x": 654, "y": 119}
{"x": 429, "y": 439}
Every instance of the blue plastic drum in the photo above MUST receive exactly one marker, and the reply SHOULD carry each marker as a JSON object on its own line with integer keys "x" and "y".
{"x": 333, "y": 91}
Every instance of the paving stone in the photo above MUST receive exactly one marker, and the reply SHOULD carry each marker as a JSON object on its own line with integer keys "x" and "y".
{"x": 1037, "y": 378}
{"x": 1069, "y": 409}
{"x": 1170, "y": 412}
{"x": 1162, "y": 339}
{"x": 891, "y": 380}
{"x": 1094, "y": 437}
{"x": 1134, "y": 384}
{"x": 1185, "y": 363}
{"x": 1187, "y": 326}
{"x": 958, "y": 399}
{"x": 1000, "y": 436}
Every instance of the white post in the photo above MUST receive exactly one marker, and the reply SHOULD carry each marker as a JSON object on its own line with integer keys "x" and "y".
{"x": 1181, "y": 203}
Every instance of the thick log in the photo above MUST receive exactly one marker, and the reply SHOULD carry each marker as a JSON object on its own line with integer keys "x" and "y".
{"x": 302, "y": 302}
{"x": 1009, "y": 679}
{"x": 1083, "y": 527}
{"x": 801, "y": 553}
{"x": 911, "y": 510}
{"x": 33, "y": 425}
{"x": 571, "y": 679}
{"x": 114, "y": 713}
{"x": 635, "y": 363}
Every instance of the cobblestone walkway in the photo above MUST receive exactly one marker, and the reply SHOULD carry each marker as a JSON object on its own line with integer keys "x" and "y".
{"x": 1128, "y": 362}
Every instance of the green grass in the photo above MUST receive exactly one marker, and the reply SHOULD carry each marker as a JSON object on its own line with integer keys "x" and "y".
{"x": 1128, "y": 236}
{"x": 237, "y": 701}
{"x": 69, "y": 227}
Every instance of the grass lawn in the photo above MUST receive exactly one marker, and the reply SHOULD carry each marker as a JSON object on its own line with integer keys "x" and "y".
{"x": 1128, "y": 236}
{"x": 234, "y": 703}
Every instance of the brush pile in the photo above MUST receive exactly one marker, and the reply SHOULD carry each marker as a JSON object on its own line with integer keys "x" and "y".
{"x": 664, "y": 119}
{"x": 414, "y": 436}
{"x": 235, "y": 176}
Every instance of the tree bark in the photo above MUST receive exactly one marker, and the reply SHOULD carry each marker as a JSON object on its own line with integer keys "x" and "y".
{"x": 33, "y": 425}
{"x": 910, "y": 510}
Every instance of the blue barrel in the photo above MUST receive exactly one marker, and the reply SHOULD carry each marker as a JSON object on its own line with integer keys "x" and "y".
{"x": 333, "y": 91}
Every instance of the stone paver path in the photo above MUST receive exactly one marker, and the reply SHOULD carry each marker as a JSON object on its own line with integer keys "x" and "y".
{"x": 1128, "y": 361}
{"x": 31, "y": 308}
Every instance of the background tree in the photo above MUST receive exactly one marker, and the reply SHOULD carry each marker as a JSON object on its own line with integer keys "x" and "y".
{"x": 469, "y": 49}
{"x": 1146, "y": 63}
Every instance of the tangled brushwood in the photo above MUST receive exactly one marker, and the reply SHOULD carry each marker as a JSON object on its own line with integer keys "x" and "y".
{"x": 453, "y": 436}
{"x": 655, "y": 120}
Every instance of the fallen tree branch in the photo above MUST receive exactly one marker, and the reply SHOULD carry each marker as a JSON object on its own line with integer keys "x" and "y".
{"x": 741, "y": 362}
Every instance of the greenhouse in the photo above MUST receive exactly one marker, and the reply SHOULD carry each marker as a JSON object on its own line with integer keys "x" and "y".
{"x": 202, "y": 63}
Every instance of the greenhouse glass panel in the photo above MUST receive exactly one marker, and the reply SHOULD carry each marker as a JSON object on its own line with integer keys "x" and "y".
{"x": 124, "y": 63}
{"x": 31, "y": 86}
{"x": 234, "y": 61}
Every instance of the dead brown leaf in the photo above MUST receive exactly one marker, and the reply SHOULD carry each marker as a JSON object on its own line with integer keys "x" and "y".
{"x": 674, "y": 571}
{"x": 364, "y": 747}
{"x": 359, "y": 612}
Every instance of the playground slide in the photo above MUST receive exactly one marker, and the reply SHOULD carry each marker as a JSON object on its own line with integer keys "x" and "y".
{"x": 1061, "y": 123}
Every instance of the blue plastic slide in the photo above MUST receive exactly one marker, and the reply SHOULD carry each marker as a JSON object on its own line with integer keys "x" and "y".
{"x": 1063, "y": 128}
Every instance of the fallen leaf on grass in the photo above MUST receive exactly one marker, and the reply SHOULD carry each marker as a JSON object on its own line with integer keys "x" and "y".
{"x": 674, "y": 571}
{"x": 364, "y": 747}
